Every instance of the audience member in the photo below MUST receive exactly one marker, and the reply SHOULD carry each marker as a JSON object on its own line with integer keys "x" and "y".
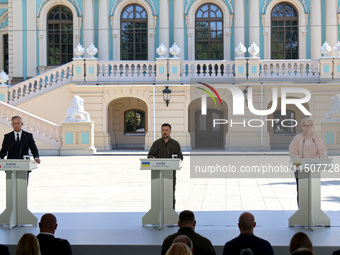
{"x": 179, "y": 249}
{"x": 302, "y": 251}
{"x": 247, "y": 239}
{"x": 28, "y": 245}
{"x": 336, "y": 252}
{"x": 4, "y": 250}
{"x": 185, "y": 240}
{"x": 300, "y": 240}
{"x": 187, "y": 223}
{"x": 49, "y": 245}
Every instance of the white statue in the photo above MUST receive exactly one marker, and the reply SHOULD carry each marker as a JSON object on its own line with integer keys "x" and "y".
{"x": 335, "y": 108}
{"x": 76, "y": 112}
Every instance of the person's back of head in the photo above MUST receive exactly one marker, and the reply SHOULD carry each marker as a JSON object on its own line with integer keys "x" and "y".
{"x": 302, "y": 251}
{"x": 246, "y": 252}
{"x": 300, "y": 240}
{"x": 48, "y": 223}
{"x": 246, "y": 222}
{"x": 184, "y": 240}
{"x": 186, "y": 219}
{"x": 178, "y": 249}
{"x": 28, "y": 245}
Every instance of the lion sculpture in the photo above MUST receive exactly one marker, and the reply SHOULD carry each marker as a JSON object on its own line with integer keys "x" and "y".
{"x": 76, "y": 112}
{"x": 335, "y": 110}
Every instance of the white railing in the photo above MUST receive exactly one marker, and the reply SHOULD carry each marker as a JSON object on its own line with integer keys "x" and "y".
{"x": 207, "y": 69}
{"x": 43, "y": 130}
{"x": 299, "y": 68}
{"x": 40, "y": 84}
{"x": 126, "y": 71}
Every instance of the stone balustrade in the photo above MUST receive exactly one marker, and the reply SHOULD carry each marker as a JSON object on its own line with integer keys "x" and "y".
{"x": 43, "y": 130}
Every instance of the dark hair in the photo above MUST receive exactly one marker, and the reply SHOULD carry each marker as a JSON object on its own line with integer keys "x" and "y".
{"x": 166, "y": 125}
{"x": 16, "y": 117}
{"x": 186, "y": 217}
{"x": 302, "y": 251}
{"x": 300, "y": 240}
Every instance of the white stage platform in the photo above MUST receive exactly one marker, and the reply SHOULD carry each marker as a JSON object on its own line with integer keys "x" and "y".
{"x": 122, "y": 233}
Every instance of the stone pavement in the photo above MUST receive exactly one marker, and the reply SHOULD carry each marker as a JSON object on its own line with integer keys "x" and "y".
{"x": 113, "y": 183}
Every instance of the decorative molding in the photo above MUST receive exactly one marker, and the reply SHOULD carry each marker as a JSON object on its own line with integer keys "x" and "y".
{"x": 227, "y": 2}
{"x": 150, "y": 2}
{"x": 74, "y": 2}
{"x": 266, "y": 2}
{"x": 3, "y": 17}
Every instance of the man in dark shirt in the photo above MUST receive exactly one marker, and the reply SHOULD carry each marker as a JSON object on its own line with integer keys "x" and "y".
{"x": 247, "y": 239}
{"x": 49, "y": 245}
{"x": 166, "y": 147}
{"x": 187, "y": 223}
{"x": 4, "y": 250}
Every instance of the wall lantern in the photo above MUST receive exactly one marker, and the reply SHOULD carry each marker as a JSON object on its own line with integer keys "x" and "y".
{"x": 166, "y": 95}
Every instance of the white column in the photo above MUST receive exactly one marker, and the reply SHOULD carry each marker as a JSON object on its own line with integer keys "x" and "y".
{"x": 239, "y": 22}
{"x": 164, "y": 24}
{"x": 103, "y": 33}
{"x": 331, "y": 24}
{"x": 179, "y": 25}
{"x": 254, "y": 22}
{"x": 315, "y": 29}
{"x": 88, "y": 24}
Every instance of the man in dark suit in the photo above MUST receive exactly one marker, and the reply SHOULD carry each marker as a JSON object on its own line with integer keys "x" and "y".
{"x": 4, "y": 250}
{"x": 49, "y": 245}
{"x": 247, "y": 240}
{"x": 187, "y": 223}
{"x": 16, "y": 143}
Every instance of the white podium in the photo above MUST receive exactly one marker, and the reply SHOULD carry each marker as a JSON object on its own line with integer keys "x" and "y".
{"x": 16, "y": 212}
{"x": 161, "y": 212}
{"x": 309, "y": 213}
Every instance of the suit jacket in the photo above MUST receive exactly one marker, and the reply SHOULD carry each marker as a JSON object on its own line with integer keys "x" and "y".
{"x": 49, "y": 245}
{"x": 4, "y": 250}
{"x": 336, "y": 252}
{"x": 258, "y": 245}
{"x": 14, "y": 151}
{"x": 201, "y": 245}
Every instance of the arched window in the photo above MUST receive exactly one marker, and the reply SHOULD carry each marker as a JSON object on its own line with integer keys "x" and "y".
{"x": 59, "y": 36}
{"x": 209, "y": 33}
{"x": 134, "y": 121}
{"x": 134, "y": 33}
{"x": 284, "y": 32}
{"x": 5, "y": 53}
{"x": 285, "y": 123}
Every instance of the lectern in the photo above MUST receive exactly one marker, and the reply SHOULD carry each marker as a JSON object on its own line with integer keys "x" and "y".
{"x": 16, "y": 212}
{"x": 309, "y": 213}
{"x": 161, "y": 212}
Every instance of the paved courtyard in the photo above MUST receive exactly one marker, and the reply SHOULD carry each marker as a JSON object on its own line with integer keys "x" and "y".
{"x": 113, "y": 183}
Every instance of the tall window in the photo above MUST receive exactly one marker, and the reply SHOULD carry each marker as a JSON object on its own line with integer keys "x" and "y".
{"x": 5, "y": 51}
{"x": 285, "y": 123}
{"x": 134, "y": 33}
{"x": 60, "y": 36}
{"x": 134, "y": 121}
{"x": 209, "y": 33}
{"x": 284, "y": 32}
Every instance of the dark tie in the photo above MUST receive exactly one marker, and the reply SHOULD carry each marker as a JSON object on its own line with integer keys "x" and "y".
{"x": 17, "y": 138}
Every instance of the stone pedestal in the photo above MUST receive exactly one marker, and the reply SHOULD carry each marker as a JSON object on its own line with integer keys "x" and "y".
{"x": 162, "y": 69}
{"x": 326, "y": 68}
{"x": 175, "y": 69}
{"x": 4, "y": 93}
{"x": 254, "y": 68}
{"x": 330, "y": 131}
{"x": 78, "y": 138}
{"x": 336, "y": 67}
{"x": 78, "y": 69}
{"x": 91, "y": 69}
{"x": 240, "y": 68}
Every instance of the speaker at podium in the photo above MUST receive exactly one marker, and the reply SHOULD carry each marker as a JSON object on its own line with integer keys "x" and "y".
{"x": 161, "y": 212}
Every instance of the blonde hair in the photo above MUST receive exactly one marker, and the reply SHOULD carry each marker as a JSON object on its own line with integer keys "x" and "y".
{"x": 306, "y": 120}
{"x": 178, "y": 249}
{"x": 28, "y": 245}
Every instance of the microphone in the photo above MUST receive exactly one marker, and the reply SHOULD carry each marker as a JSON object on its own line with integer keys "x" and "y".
{"x": 303, "y": 147}
{"x": 316, "y": 147}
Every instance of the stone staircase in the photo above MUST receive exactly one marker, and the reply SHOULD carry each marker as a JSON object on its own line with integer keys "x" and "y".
{"x": 42, "y": 129}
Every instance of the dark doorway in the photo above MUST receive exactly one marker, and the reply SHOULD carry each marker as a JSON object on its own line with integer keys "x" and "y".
{"x": 208, "y": 136}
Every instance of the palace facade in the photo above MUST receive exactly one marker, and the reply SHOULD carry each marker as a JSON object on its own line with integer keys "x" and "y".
{"x": 265, "y": 53}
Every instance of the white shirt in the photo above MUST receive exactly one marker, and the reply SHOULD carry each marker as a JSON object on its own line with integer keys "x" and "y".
{"x": 15, "y": 135}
